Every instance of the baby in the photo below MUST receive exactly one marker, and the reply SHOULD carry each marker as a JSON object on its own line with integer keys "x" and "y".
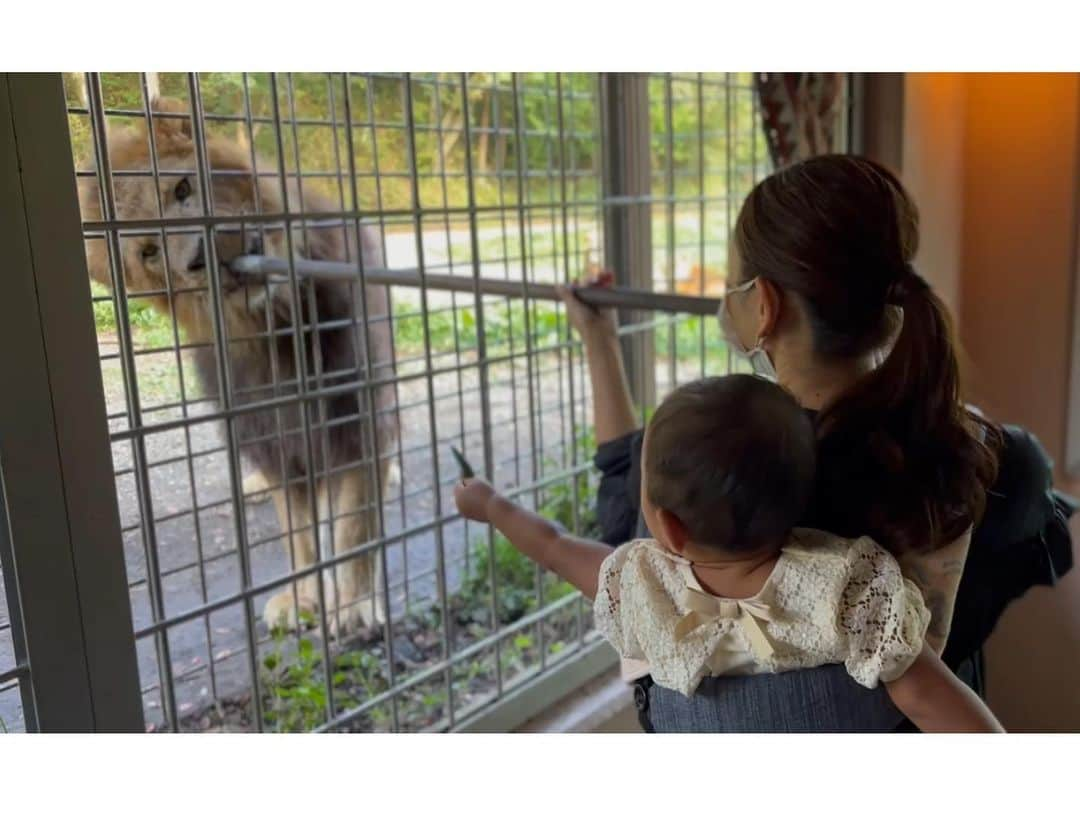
{"x": 728, "y": 584}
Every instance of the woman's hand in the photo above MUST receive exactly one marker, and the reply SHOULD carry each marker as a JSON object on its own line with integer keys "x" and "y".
{"x": 590, "y": 322}
{"x": 473, "y": 497}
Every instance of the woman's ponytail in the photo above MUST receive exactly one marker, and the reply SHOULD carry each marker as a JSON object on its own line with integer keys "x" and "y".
{"x": 900, "y": 457}
{"x": 933, "y": 458}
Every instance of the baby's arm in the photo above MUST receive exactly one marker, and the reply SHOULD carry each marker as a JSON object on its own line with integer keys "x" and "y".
{"x": 933, "y": 698}
{"x": 576, "y": 560}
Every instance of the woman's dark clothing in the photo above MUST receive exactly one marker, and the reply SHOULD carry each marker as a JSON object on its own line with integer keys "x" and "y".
{"x": 1022, "y": 541}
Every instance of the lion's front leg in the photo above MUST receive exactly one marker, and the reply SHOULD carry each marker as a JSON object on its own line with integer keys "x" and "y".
{"x": 292, "y": 609}
{"x": 358, "y": 597}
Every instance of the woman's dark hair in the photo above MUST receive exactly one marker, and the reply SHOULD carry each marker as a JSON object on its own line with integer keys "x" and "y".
{"x": 899, "y": 456}
{"x": 731, "y": 457}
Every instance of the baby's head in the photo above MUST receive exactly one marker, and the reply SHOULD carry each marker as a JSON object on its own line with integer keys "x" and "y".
{"x": 727, "y": 466}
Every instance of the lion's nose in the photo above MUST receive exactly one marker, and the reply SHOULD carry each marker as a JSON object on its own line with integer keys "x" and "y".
{"x": 198, "y": 262}
{"x": 255, "y": 245}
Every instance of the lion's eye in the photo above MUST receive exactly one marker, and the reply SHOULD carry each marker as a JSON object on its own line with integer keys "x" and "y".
{"x": 183, "y": 190}
{"x": 149, "y": 251}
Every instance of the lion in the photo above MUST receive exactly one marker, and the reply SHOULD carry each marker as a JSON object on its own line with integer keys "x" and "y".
{"x": 327, "y": 445}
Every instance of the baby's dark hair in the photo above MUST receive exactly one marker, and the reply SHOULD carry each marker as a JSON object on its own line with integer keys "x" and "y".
{"x": 732, "y": 457}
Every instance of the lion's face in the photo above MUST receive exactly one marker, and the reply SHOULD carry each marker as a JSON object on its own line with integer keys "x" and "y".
{"x": 179, "y": 263}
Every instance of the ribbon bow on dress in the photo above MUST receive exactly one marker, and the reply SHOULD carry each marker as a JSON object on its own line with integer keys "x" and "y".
{"x": 750, "y": 614}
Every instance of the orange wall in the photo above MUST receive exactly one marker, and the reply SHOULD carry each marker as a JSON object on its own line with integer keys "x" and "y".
{"x": 932, "y": 150}
{"x": 1019, "y": 192}
{"x": 992, "y": 162}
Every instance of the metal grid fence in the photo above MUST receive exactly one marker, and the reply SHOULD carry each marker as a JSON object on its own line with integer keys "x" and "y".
{"x": 708, "y": 151}
{"x": 322, "y": 490}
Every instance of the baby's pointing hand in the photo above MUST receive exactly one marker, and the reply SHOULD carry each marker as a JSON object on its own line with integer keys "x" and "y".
{"x": 473, "y": 495}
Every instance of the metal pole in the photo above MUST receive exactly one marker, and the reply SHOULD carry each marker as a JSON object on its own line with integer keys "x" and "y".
{"x": 628, "y": 226}
{"x": 62, "y": 528}
{"x": 260, "y": 266}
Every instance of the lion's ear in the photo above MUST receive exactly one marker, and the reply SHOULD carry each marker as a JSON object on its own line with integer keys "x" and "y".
{"x": 171, "y": 128}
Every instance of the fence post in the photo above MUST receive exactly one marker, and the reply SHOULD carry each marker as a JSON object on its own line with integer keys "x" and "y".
{"x": 628, "y": 224}
{"x": 54, "y": 446}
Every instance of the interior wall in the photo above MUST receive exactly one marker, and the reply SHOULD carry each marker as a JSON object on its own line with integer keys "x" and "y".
{"x": 1019, "y": 192}
{"x": 932, "y": 148}
{"x": 992, "y": 162}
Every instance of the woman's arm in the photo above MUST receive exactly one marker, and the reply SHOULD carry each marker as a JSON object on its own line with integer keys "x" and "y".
{"x": 574, "y": 559}
{"x": 937, "y": 574}
{"x": 613, "y": 409}
{"x": 614, "y": 420}
{"x": 937, "y": 702}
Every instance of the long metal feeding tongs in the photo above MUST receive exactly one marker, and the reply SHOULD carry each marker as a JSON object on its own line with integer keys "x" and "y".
{"x": 261, "y": 267}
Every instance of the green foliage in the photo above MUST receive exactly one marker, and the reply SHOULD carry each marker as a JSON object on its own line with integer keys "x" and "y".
{"x": 707, "y": 143}
{"x": 149, "y": 327}
{"x": 506, "y": 133}
{"x": 559, "y": 501}
{"x": 516, "y": 583}
{"x": 515, "y": 578}
{"x": 504, "y": 327}
{"x": 451, "y": 330}
{"x": 379, "y": 109}
{"x": 104, "y": 313}
{"x": 517, "y": 652}
{"x": 294, "y": 684}
{"x": 297, "y": 696}
{"x": 362, "y": 669}
{"x": 688, "y": 333}
{"x": 295, "y": 688}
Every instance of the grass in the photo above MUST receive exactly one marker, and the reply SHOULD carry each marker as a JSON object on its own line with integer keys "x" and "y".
{"x": 294, "y": 685}
{"x": 504, "y": 326}
{"x": 149, "y": 328}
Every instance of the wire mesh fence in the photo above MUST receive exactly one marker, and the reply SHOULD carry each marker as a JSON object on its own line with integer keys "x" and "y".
{"x": 708, "y": 151}
{"x": 281, "y": 448}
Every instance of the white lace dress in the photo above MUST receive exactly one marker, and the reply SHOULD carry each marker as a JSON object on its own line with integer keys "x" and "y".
{"x": 828, "y": 600}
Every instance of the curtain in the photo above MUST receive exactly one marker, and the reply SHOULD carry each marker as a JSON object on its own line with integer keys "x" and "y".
{"x": 801, "y": 114}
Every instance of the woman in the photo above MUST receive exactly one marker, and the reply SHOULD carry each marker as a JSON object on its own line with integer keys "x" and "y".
{"x": 822, "y": 297}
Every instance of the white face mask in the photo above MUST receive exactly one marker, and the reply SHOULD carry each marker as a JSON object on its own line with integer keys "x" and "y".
{"x": 757, "y": 356}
